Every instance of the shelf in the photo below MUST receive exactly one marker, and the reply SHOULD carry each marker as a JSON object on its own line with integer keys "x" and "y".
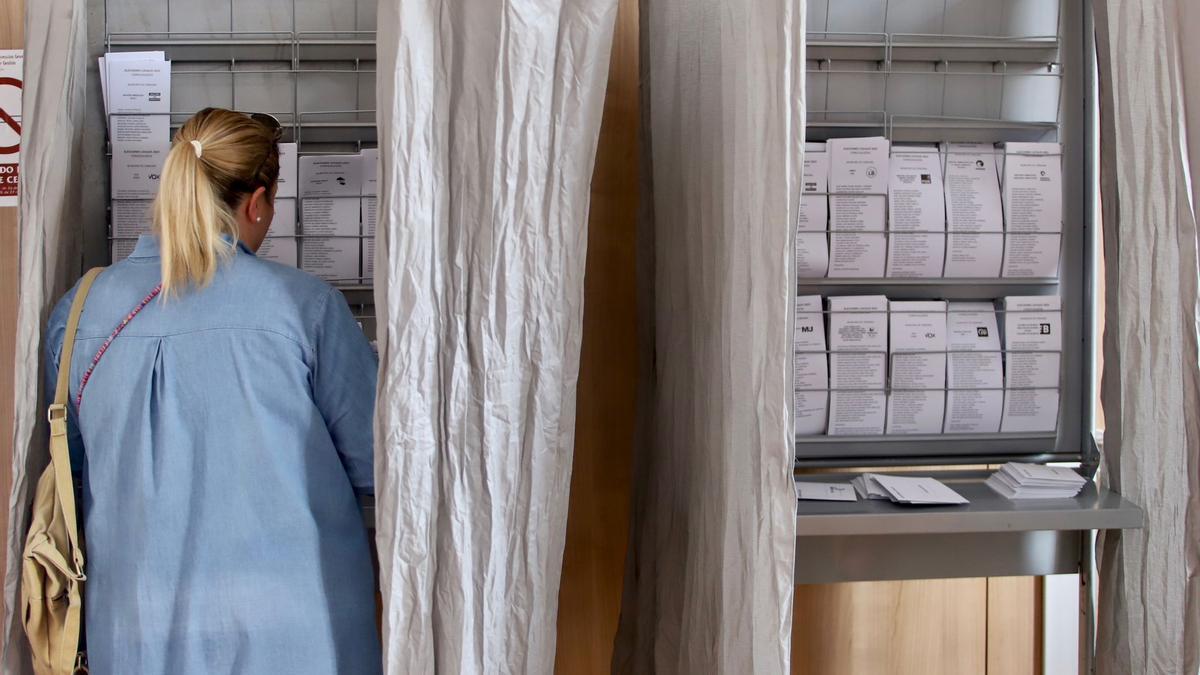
{"x": 907, "y": 449}
{"x": 991, "y": 536}
{"x": 250, "y": 46}
{"x": 931, "y": 48}
{"x": 1093, "y": 509}
{"x": 823, "y": 125}
{"x": 929, "y": 289}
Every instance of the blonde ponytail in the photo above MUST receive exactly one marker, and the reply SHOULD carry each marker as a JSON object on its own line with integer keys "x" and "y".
{"x": 217, "y": 159}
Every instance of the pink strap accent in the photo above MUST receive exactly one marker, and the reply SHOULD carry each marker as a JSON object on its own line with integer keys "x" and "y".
{"x": 104, "y": 347}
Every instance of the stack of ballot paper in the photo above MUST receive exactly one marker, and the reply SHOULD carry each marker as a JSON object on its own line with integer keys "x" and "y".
{"x": 825, "y": 492}
{"x": 1035, "y": 481}
{"x": 905, "y": 490}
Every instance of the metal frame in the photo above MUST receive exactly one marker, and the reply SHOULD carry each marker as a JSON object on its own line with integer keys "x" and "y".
{"x": 1065, "y": 56}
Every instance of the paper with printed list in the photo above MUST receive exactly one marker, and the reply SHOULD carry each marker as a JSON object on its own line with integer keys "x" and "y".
{"x": 974, "y": 369}
{"x": 1033, "y": 353}
{"x": 811, "y": 367}
{"x": 974, "y": 222}
{"x": 916, "y": 205}
{"x": 1033, "y": 209}
{"x": 812, "y": 241}
{"x": 858, "y": 354}
{"x": 918, "y": 367}
{"x": 857, "y": 221}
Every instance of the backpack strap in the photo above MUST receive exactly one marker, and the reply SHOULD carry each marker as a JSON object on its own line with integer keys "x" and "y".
{"x": 60, "y": 454}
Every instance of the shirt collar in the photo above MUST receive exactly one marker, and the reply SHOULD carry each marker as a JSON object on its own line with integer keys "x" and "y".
{"x": 147, "y": 247}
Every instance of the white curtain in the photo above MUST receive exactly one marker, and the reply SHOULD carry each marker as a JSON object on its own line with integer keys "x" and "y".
{"x": 53, "y": 102}
{"x": 489, "y": 115}
{"x": 709, "y": 579}
{"x": 1149, "y": 612}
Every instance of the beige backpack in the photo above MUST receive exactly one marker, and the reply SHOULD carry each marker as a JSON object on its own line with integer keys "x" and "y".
{"x": 52, "y": 572}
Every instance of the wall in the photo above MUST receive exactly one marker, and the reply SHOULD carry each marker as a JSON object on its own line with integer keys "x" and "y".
{"x": 598, "y": 522}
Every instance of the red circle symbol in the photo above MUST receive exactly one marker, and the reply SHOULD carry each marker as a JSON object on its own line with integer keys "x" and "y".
{"x": 7, "y": 120}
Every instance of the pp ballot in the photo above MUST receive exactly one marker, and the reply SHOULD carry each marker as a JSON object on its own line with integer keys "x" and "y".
{"x": 1032, "y": 209}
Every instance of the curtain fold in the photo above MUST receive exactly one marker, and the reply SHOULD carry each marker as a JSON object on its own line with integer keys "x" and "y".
{"x": 49, "y": 239}
{"x": 489, "y": 115}
{"x": 1149, "y": 600}
{"x": 709, "y": 578}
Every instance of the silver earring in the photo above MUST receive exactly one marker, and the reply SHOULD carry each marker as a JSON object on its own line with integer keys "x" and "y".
{"x": 258, "y": 219}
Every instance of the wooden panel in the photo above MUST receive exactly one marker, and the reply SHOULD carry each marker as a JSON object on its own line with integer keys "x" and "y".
{"x": 12, "y": 36}
{"x": 895, "y": 628}
{"x": 598, "y": 523}
{"x": 1014, "y": 626}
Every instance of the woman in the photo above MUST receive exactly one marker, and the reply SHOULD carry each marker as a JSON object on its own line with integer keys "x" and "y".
{"x": 222, "y": 437}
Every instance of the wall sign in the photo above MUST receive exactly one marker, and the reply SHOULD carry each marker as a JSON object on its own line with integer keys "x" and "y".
{"x": 11, "y": 72}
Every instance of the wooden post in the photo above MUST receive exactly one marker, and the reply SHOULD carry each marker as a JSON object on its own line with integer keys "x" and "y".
{"x": 12, "y": 36}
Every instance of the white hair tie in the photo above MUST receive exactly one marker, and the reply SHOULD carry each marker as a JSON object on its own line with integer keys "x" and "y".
{"x": 199, "y": 149}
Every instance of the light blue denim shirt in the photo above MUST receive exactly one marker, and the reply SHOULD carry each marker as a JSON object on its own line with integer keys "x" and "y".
{"x": 222, "y": 439}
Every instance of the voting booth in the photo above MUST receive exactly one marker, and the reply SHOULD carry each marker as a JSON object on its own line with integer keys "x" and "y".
{"x": 944, "y": 248}
{"x": 944, "y": 308}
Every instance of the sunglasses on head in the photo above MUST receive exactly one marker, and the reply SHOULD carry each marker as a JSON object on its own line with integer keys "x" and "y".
{"x": 268, "y": 121}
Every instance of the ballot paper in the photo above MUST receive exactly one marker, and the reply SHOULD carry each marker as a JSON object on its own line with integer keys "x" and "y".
{"x": 974, "y": 369}
{"x": 916, "y": 205}
{"x": 122, "y": 249}
{"x": 1033, "y": 209}
{"x": 370, "y": 216}
{"x": 331, "y": 258}
{"x": 279, "y": 249}
{"x": 812, "y": 241}
{"x": 905, "y": 490}
{"x": 330, "y": 216}
{"x": 132, "y": 218}
{"x": 826, "y": 492}
{"x": 972, "y": 206}
{"x": 811, "y": 367}
{"x": 370, "y": 171}
{"x": 1033, "y": 346}
{"x": 331, "y": 176}
{"x": 1017, "y": 480}
{"x": 137, "y": 94}
{"x": 917, "y": 337}
{"x": 857, "y": 165}
{"x": 113, "y": 57}
{"x": 858, "y": 354}
{"x": 284, "y": 223}
{"x": 136, "y": 169}
{"x": 288, "y": 170}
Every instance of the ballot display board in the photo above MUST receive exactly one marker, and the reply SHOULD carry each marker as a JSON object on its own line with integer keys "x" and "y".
{"x": 944, "y": 235}
{"x": 309, "y": 63}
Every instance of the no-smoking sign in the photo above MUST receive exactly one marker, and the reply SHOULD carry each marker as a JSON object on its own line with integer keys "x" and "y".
{"x": 11, "y": 64}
